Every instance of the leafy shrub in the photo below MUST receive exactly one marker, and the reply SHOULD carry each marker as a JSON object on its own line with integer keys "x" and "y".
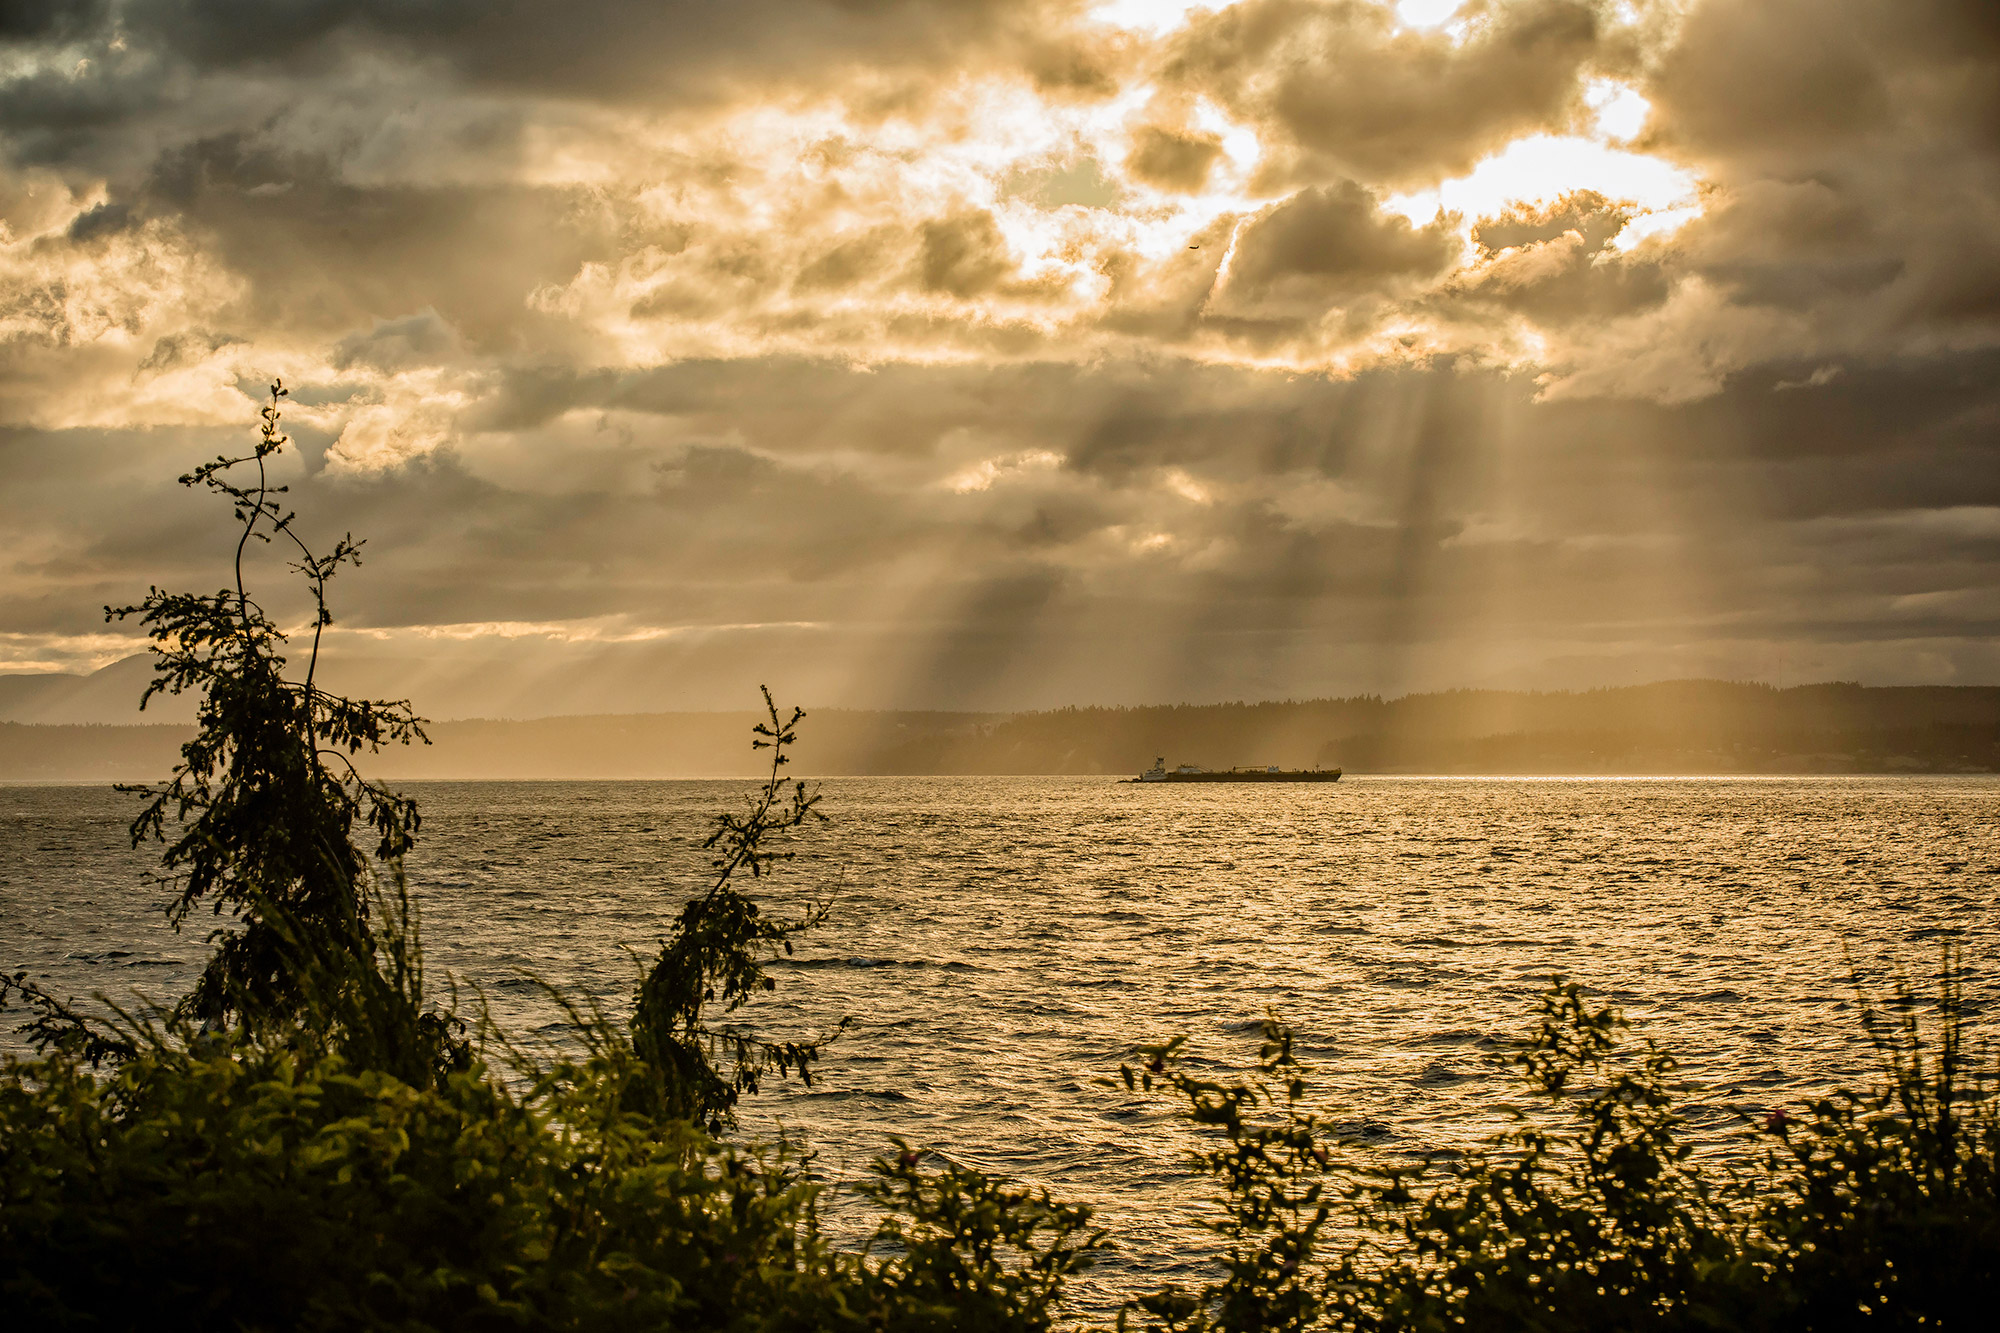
{"x": 969, "y": 1251}
{"x": 217, "y": 1184}
{"x": 1878, "y": 1207}
{"x": 715, "y": 958}
{"x": 1885, "y": 1204}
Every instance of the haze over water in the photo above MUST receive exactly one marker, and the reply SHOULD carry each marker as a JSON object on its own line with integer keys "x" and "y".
{"x": 1001, "y": 943}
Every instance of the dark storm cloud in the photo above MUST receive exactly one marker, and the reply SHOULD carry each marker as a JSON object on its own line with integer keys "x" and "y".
{"x": 323, "y": 253}
{"x": 1554, "y": 263}
{"x": 1770, "y": 79}
{"x": 1857, "y": 146}
{"x": 647, "y": 50}
{"x": 1563, "y": 281}
{"x": 1767, "y": 77}
{"x": 1594, "y": 219}
{"x": 853, "y": 262}
{"x": 1173, "y": 159}
{"x": 56, "y": 112}
{"x": 964, "y": 255}
{"x": 50, "y": 20}
{"x": 1887, "y": 418}
{"x": 1357, "y": 95}
{"x": 422, "y": 339}
{"x": 1336, "y": 238}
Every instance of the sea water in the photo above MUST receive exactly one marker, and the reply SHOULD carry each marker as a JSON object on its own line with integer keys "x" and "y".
{"x": 999, "y": 945}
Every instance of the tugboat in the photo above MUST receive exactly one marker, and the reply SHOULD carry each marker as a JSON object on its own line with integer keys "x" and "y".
{"x": 1190, "y": 773}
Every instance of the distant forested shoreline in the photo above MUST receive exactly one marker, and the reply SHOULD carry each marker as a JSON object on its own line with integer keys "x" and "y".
{"x": 1665, "y": 728}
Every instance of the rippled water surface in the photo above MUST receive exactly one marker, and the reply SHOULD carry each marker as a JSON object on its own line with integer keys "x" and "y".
{"x": 1000, "y": 943}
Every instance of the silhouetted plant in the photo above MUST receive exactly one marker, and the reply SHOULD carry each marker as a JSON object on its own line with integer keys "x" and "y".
{"x": 1599, "y": 1223}
{"x": 1879, "y": 1208}
{"x": 1271, "y": 1160}
{"x": 260, "y": 814}
{"x": 968, "y": 1252}
{"x": 1886, "y": 1203}
{"x": 713, "y": 961}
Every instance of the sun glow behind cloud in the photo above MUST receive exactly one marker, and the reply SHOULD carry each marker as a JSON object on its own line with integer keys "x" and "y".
{"x": 1618, "y": 109}
{"x": 1152, "y": 16}
{"x": 1427, "y": 14}
{"x": 1542, "y": 168}
{"x": 982, "y": 475}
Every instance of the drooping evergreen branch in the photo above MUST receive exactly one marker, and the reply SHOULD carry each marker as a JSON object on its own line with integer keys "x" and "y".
{"x": 254, "y": 819}
{"x": 713, "y": 961}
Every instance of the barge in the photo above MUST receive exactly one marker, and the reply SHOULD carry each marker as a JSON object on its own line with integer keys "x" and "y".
{"x": 1159, "y": 772}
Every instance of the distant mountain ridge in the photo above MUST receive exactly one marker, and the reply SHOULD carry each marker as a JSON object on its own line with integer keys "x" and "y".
{"x": 1667, "y": 727}
{"x": 107, "y": 696}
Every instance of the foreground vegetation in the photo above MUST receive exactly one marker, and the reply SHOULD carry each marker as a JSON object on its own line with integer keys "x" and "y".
{"x": 314, "y": 1138}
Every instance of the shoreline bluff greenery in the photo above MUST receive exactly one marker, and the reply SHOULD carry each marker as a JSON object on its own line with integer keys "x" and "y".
{"x": 316, "y": 1138}
{"x": 1668, "y": 728}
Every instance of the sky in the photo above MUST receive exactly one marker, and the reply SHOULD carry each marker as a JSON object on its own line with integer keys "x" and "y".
{"x": 990, "y": 355}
